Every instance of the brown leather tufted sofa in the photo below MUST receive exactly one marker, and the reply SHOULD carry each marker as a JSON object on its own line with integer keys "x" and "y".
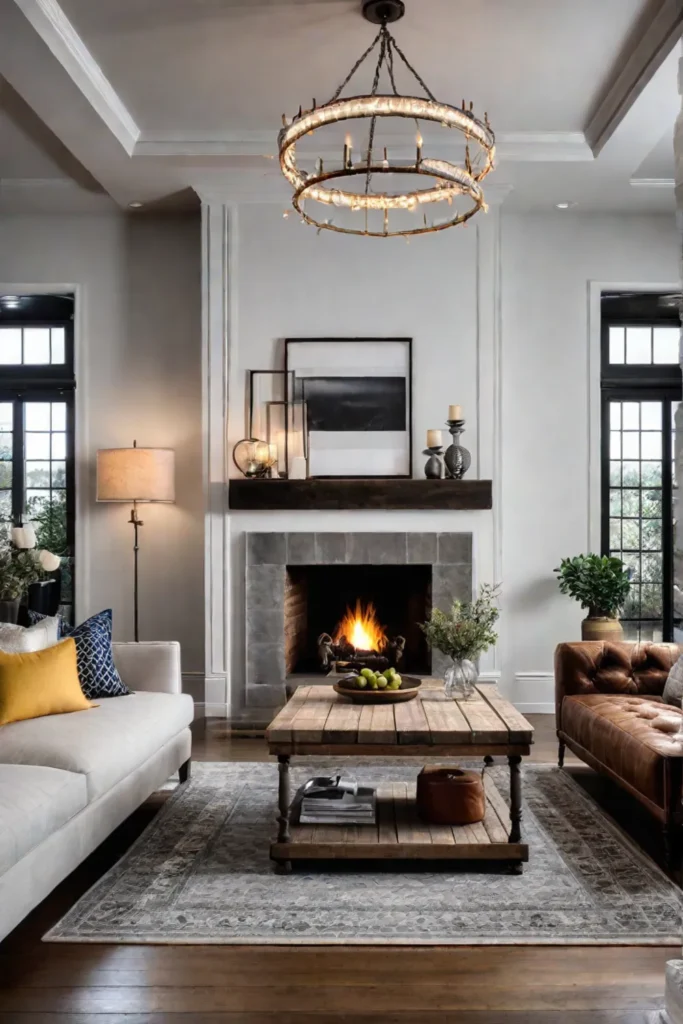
{"x": 610, "y": 713}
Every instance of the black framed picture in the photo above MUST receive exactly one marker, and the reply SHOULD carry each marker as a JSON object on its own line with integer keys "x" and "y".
{"x": 358, "y": 398}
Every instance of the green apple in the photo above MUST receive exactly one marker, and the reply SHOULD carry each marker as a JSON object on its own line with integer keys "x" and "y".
{"x": 382, "y": 683}
{"x": 389, "y": 673}
{"x": 397, "y": 679}
{"x": 367, "y": 673}
{"x": 361, "y": 682}
{"x": 372, "y": 683}
{"x": 394, "y": 684}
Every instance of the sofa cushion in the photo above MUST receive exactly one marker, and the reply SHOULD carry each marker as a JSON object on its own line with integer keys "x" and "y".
{"x": 631, "y": 736}
{"x": 34, "y": 803}
{"x": 673, "y": 687}
{"x": 106, "y": 744}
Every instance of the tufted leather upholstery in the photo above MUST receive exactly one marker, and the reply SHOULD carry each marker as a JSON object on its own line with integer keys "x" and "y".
{"x": 610, "y": 713}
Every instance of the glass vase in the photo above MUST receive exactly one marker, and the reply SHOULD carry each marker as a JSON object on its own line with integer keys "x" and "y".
{"x": 461, "y": 677}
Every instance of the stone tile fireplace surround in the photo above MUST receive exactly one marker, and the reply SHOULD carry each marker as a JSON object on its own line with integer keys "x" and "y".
{"x": 268, "y": 555}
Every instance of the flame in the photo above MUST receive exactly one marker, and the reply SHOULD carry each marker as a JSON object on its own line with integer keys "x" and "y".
{"x": 362, "y": 628}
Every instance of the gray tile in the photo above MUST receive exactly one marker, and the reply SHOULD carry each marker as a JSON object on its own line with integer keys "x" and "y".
{"x": 455, "y": 548}
{"x": 421, "y": 548}
{"x": 267, "y": 695}
{"x": 330, "y": 548}
{"x": 301, "y": 549}
{"x": 451, "y": 582}
{"x": 265, "y": 624}
{"x": 377, "y": 549}
{"x": 266, "y": 549}
{"x": 265, "y": 665}
{"x": 265, "y": 587}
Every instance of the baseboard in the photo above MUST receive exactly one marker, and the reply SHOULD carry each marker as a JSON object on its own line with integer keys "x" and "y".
{"x": 539, "y": 708}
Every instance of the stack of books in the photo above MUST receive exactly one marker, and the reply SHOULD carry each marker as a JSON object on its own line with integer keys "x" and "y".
{"x": 337, "y": 802}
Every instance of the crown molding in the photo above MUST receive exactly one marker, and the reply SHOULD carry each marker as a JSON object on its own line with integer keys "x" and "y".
{"x": 653, "y": 183}
{"x": 522, "y": 147}
{"x": 52, "y": 25}
{"x": 653, "y": 47}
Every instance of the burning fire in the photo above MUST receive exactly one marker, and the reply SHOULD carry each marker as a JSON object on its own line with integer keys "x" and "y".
{"x": 362, "y": 628}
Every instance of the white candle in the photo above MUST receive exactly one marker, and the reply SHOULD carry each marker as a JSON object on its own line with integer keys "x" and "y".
{"x": 347, "y": 152}
{"x": 455, "y": 412}
{"x": 434, "y": 438}
{"x": 418, "y": 154}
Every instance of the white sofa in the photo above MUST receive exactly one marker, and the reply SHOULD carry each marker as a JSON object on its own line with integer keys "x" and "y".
{"x": 66, "y": 781}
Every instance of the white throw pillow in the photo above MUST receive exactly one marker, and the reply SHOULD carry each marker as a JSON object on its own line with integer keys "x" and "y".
{"x": 26, "y": 639}
{"x": 673, "y": 688}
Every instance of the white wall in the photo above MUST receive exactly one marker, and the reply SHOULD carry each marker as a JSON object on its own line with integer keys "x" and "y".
{"x": 287, "y": 281}
{"x": 138, "y": 376}
{"x": 550, "y": 398}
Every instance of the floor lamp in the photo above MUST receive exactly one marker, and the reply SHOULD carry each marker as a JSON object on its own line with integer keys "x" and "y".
{"x": 137, "y": 475}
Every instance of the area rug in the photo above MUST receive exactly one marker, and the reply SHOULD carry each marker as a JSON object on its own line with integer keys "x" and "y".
{"x": 201, "y": 873}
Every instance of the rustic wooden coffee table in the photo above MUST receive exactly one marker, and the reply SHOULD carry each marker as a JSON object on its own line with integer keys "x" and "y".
{"x": 318, "y": 723}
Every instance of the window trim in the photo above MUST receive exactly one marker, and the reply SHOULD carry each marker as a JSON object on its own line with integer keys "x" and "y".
{"x": 640, "y": 382}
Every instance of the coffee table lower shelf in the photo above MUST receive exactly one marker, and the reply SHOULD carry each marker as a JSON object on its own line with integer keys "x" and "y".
{"x": 400, "y": 834}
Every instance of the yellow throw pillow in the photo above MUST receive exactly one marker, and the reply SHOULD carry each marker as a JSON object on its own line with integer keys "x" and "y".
{"x": 41, "y": 683}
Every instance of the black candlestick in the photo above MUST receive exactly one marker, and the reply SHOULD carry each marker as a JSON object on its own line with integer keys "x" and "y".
{"x": 458, "y": 460}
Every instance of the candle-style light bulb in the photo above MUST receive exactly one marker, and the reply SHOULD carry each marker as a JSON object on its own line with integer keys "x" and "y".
{"x": 347, "y": 152}
{"x": 418, "y": 157}
{"x": 385, "y": 161}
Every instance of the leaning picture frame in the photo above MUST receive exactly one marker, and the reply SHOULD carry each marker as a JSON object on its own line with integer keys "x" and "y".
{"x": 358, "y": 397}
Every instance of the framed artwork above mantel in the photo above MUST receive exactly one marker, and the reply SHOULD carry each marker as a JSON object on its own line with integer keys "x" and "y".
{"x": 358, "y": 397}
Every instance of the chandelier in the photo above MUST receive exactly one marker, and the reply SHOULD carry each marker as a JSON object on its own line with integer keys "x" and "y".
{"x": 374, "y": 210}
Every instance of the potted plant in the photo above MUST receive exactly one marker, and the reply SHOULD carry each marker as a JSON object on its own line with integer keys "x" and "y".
{"x": 21, "y": 566}
{"x": 601, "y": 584}
{"x": 462, "y": 635}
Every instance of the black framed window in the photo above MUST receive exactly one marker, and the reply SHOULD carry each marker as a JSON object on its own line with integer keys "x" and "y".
{"x": 37, "y": 430}
{"x": 641, "y": 389}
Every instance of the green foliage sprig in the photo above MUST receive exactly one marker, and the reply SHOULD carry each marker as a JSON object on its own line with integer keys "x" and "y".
{"x": 467, "y": 630}
{"x": 18, "y": 569}
{"x": 598, "y": 582}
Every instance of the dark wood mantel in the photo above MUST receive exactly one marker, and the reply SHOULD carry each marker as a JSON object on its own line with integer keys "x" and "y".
{"x": 359, "y": 494}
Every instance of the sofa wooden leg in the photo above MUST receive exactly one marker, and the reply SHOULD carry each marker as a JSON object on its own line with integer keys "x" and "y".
{"x": 560, "y": 754}
{"x": 185, "y": 770}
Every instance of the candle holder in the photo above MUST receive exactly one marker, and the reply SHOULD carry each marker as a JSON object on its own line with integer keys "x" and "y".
{"x": 458, "y": 460}
{"x": 434, "y": 466}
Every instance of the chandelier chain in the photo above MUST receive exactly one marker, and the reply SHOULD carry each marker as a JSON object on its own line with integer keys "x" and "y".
{"x": 355, "y": 67}
{"x": 375, "y": 85}
{"x": 412, "y": 70}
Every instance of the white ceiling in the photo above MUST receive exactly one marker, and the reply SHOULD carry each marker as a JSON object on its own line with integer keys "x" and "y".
{"x": 153, "y": 96}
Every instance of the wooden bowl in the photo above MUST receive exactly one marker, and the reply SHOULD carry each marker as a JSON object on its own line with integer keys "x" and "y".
{"x": 407, "y": 691}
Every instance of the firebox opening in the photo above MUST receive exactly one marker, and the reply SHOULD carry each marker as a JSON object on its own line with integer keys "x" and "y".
{"x": 375, "y": 605}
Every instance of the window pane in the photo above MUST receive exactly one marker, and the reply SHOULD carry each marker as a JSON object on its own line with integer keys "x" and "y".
{"x": 652, "y": 473}
{"x": 651, "y": 601}
{"x": 59, "y": 446}
{"x": 615, "y": 445}
{"x": 652, "y": 534}
{"x": 615, "y": 415}
{"x": 59, "y": 415}
{"x": 59, "y": 474}
{"x": 616, "y": 344}
{"x": 615, "y": 503}
{"x": 36, "y": 500}
{"x": 631, "y": 503}
{"x": 651, "y": 415}
{"x": 5, "y": 504}
{"x": 652, "y": 504}
{"x": 631, "y": 534}
{"x": 5, "y": 474}
{"x": 666, "y": 341}
{"x": 652, "y": 568}
{"x": 615, "y": 533}
{"x": 615, "y": 473}
{"x": 10, "y": 345}
{"x": 5, "y": 416}
{"x": 58, "y": 347}
{"x": 651, "y": 445}
{"x": 5, "y": 446}
{"x": 630, "y": 444}
{"x": 37, "y": 415}
{"x": 631, "y": 474}
{"x": 37, "y": 474}
{"x": 631, "y": 414}
{"x": 36, "y": 345}
{"x": 37, "y": 446}
{"x": 638, "y": 345}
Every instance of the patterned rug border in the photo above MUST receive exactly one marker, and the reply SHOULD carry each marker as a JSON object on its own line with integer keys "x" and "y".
{"x": 158, "y": 821}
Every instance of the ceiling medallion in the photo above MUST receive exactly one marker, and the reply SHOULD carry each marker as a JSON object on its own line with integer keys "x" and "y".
{"x": 456, "y": 184}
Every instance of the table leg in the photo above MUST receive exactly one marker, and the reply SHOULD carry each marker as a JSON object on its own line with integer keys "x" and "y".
{"x": 514, "y": 760}
{"x": 284, "y": 799}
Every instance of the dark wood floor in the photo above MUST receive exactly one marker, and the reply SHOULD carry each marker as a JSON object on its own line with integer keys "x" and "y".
{"x": 54, "y": 984}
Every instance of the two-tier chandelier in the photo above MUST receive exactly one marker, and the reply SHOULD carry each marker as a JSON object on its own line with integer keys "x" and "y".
{"x": 369, "y": 211}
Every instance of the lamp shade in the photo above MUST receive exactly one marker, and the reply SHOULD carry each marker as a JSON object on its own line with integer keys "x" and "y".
{"x": 136, "y": 474}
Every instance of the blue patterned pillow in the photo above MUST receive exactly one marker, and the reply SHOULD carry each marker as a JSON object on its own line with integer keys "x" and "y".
{"x": 64, "y": 628}
{"x": 97, "y": 672}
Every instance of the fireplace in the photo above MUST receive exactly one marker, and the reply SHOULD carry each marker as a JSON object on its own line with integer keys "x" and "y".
{"x": 300, "y": 585}
{"x": 356, "y": 614}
